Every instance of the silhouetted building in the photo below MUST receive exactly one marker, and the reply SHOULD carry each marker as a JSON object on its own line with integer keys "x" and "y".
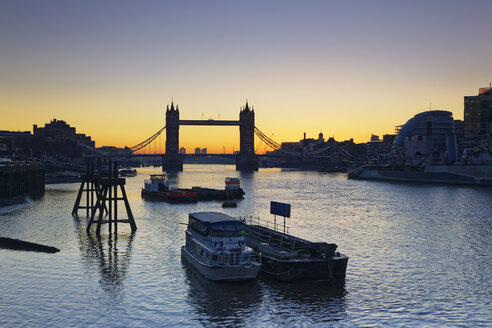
{"x": 377, "y": 149}
{"x": 115, "y": 150}
{"x": 58, "y": 130}
{"x": 11, "y": 142}
{"x": 478, "y": 118}
{"x": 358, "y": 151}
{"x": 335, "y": 152}
{"x": 374, "y": 138}
{"x": 459, "y": 129}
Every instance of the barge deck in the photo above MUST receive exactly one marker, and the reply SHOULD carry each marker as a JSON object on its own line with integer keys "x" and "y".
{"x": 289, "y": 258}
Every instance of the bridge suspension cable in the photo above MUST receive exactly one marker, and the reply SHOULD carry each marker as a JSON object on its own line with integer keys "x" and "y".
{"x": 269, "y": 142}
{"x": 147, "y": 141}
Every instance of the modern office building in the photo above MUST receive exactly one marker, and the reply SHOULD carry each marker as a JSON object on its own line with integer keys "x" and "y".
{"x": 377, "y": 148}
{"x": 478, "y": 118}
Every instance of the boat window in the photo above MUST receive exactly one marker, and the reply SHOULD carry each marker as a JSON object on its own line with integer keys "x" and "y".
{"x": 222, "y": 233}
{"x": 198, "y": 226}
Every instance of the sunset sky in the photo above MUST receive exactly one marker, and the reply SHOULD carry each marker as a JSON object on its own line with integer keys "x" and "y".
{"x": 348, "y": 69}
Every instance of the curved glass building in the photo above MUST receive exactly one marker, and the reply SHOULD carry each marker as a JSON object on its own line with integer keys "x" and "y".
{"x": 435, "y": 125}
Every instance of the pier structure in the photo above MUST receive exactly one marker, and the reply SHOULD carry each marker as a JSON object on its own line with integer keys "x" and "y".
{"x": 90, "y": 188}
{"x": 102, "y": 196}
{"x": 246, "y": 159}
{"x": 108, "y": 200}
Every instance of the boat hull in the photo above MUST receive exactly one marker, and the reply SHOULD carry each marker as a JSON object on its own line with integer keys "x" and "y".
{"x": 168, "y": 197}
{"x": 222, "y": 273}
{"x": 331, "y": 269}
{"x": 447, "y": 174}
{"x": 192, "y": 195}
{"x": 217, "y": 194}
{"x": 289, "y": 258}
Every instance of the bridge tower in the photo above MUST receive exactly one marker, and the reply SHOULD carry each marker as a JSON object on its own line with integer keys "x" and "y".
{"x": 172, "y": 161}
{"x": 247, "y": 159}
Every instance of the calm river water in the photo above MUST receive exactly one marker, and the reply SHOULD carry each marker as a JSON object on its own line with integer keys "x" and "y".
{"x": 420, "y": 255}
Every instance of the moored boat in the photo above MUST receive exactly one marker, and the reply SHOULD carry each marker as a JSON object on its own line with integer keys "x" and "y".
{"x": 231, "y": 191}
{"x": 447, "y": 174}
{"x": 229, "y": 203}
{"x": 157, "y": 188}
{"x": 215, "y": 246}
{"x": 288, "y": 258}
{"x": 128, "y": 172}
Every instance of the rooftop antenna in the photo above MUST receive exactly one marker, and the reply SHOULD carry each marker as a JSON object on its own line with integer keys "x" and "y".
{"x": 430, "y": 105}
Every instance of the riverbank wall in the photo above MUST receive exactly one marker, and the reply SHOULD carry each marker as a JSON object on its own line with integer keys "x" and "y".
{"x": 21, "y": 178}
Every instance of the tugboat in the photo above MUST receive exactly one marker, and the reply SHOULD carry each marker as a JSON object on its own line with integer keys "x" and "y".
{"x": 288, "y": 258}
{"x": 215, "y": 246}
{"x": 157, "y": 188}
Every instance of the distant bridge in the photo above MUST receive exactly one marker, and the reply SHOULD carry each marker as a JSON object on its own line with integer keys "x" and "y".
{"x": 246, "y": 158}
{"x": 277, "y": 155}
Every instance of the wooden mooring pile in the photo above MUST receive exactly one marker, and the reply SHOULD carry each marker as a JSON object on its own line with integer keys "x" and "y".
{"x": 102, "y": 194}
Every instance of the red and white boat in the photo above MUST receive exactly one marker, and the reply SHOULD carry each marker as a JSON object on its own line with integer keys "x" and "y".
{"x": 157, "y": 188}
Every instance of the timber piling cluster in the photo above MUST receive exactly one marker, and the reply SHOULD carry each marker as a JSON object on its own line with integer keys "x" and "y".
{"x": 102, "y": 195}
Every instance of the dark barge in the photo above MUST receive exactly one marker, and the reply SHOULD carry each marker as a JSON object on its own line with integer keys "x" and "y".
{"x": 157, "y": 188}
{"x": 288, "y": 258}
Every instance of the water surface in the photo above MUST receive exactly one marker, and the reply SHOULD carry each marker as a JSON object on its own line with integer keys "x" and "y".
{"x": 420, "y": 255}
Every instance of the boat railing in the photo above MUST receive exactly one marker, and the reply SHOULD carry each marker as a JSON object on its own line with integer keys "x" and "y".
{"x": 276, "y": 226}
{"x": 255, "y": 228}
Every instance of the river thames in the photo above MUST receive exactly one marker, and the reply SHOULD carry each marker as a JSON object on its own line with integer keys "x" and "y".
{"x": 420, "y": 255}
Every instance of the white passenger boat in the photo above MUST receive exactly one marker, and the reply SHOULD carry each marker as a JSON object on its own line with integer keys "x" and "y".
{"x": 215, "y": 246}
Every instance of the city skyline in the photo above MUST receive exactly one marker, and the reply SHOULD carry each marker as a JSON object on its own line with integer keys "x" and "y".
{"x": 347, "y": 70}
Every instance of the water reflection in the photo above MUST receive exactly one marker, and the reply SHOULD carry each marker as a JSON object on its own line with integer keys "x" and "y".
{"x": 110, "y": 255}
{"x": 221, "y": 304}
{"x": 173, "y": 178}
{"x": 312, "y": 302}
{"x": 242, "y": 304}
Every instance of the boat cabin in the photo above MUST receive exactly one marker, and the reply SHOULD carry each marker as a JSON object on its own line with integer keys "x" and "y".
{"x": 232, "y": 183}
{"x": 215, "y": 224}
{"x": 216, "y": 241}
{"x": 221, "y": 231}
{"x": 157, "y": 182}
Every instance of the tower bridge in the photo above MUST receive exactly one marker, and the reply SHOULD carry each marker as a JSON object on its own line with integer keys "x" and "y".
{"x": 245, "y": 160}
